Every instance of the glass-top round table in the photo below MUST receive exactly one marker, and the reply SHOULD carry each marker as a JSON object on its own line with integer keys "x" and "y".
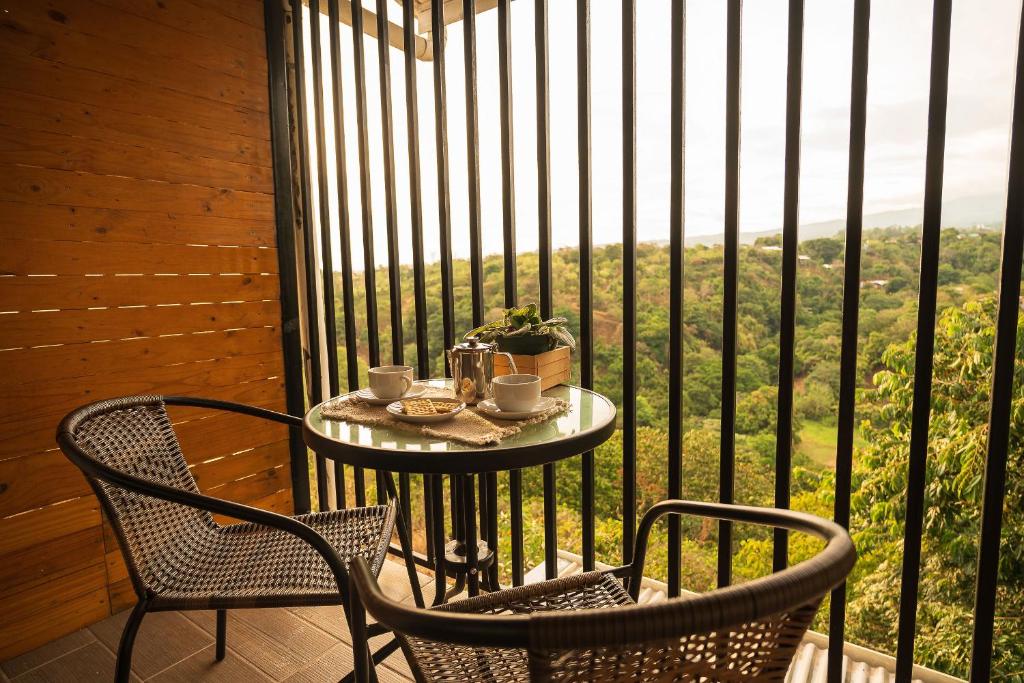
{"x": 588, "y": 423}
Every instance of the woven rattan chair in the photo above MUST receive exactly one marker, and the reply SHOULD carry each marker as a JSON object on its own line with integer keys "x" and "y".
{"x": 587, "y": 627}
{"x": 178, "y": 556}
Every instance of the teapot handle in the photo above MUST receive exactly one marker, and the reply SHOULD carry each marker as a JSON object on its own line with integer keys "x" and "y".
{"x": 511, "y": 361}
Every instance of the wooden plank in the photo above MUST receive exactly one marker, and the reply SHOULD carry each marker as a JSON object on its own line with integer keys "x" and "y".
{"x": 33, "y": 366}
{"x": 198, "y": 21}
{"x": 31, "y": 147}
{"x": 213, "y": 473}
{"x": 40, "y": 77}
{"x": 72, "y": 292}
{"x": 72, "y": 327}
{"x": 51, "y": 113}
{"x": 121, "y": 596}
{"x": 247, "y": 11}
{"x": 255, "y": 487}
{"x": 20, "y": 605}
{"x": 20, "y": 404}
{"x": 112, "y": 26}
{"x": 222, "y": 433}
{"x": 70, "y": 188}
{"x": 65, "y": 616}
{"x": 115, "y": 565}
{"x": 34, "y": 481}
{"x": 279, "y": 502}
{"x": 98, "y": 224}
{"x": 37, "y": 435}
{"x": 46, "y": 524}
{"x": 30, "y": 35}
{"x": 45, "y": 257}
{"x": 44, "y": 562}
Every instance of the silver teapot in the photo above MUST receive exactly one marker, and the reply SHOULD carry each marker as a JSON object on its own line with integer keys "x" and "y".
{"x": 472, "y": 364}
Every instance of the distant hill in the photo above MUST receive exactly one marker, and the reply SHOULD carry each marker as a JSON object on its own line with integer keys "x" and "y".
{"x": 964, "y": 212}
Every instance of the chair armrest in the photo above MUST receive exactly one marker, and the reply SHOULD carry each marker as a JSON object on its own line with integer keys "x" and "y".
{"x": 835, "y": 535}
{"x": 196, "y": 402}
{"x": 434, "y": 624}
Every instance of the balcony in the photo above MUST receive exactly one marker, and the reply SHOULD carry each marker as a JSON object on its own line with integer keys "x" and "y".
{"x": 256, "y": 202}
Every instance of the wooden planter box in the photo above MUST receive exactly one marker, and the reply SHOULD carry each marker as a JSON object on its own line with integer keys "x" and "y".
{"x": 551, "y": 366}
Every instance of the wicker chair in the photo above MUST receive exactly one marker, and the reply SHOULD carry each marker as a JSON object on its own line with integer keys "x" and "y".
{"x": 587, "y": 628}
{"x": 178, "y": 556}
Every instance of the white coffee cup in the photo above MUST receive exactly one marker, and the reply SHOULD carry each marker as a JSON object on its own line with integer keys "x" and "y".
{"x": 516, "y": 393}
{"x": 390, "y": 381}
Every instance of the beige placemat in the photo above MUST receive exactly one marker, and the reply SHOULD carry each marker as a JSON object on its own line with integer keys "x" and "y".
{"x": 470, "y": 426}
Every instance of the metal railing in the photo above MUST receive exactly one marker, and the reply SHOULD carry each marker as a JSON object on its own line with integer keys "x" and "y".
{"x": 324, "y": 379}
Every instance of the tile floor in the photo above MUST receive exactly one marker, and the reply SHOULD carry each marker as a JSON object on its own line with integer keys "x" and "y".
{"x": 297, "y": 645}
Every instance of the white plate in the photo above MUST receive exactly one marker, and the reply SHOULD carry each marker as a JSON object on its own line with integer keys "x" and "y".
{"x": 369, "y": 397}
{"x": 489, "y": 407}
{"x": 396, "y": 410}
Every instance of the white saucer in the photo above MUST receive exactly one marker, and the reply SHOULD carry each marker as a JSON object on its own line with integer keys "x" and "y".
{"x": 490, "y": 408}
{"x": 396, "y": 410}
{"x": 371, "y": 398}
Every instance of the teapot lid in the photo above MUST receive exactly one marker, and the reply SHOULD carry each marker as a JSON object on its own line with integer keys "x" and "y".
{"x": 474, "y": 345}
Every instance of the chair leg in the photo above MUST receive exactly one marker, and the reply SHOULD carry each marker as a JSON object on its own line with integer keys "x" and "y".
{"x": 124, "y": 650}
{"x": 222, "y": 633}
{"x": 405, "y": 541}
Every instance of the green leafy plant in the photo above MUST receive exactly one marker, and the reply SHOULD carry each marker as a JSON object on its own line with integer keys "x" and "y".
{"x": 522, "y": 330}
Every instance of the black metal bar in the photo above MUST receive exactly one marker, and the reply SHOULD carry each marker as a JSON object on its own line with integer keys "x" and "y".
{"x": 390, "y": 201}
{"x": 326, "y": 256}
{"x": 586, "y": 344}
{"x": 469, "y": 521}
{"x": 415, "y": 194}
{"x": 851, "y": 310}
{"x": 727, "y": 472}
{"x": 543, "y": 156}
{"x": 309, "y": 244}
{"x": 284, "y": 218}
{"x": 344, "y": 231}
{"x": 508, "y": 204}
{"x": 476, "y": 258}
{"x": 1002, "y": 391}
{"x": 438, "y": 32}
{"x": 677, "y": 125}
{"x": 628, "y": 279}
{"x": 787, "y": 317}
{"x": 369, "y": 270}
{"x": 544, "y": 257}
{"x": 931, "y": 232}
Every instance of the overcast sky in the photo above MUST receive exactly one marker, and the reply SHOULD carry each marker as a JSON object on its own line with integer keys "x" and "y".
{"x": 981, "y": 84}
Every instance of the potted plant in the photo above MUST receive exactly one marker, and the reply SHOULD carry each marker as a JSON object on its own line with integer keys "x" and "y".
{"x": 539, "y": 347}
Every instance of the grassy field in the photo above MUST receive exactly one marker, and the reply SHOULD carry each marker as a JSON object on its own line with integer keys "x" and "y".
{"x": 818, "y": 442}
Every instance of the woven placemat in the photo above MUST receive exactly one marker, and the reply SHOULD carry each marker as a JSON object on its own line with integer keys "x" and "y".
{"x": 470, "y": 426}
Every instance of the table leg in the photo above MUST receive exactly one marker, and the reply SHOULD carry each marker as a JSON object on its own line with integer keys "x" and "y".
{"x": 437, "y": 513}
{"x": 405, "y": 540}
{"x": 492, "y": 530}
{"x": 469, "y": 524}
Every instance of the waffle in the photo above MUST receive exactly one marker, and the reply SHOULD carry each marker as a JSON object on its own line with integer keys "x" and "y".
{"x": 419, "y": 406}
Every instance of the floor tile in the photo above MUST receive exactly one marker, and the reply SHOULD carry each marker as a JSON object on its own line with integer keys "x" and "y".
{"x": 164, "y": 639}
{"x": 202, "y": 666}
{"x": 93, "y": 662}
{"x": 46, "y": 653}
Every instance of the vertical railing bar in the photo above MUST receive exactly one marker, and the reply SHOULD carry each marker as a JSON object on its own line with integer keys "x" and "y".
{"x": 677, "y": 228}
{"x": 851, "y": 309}
{"x": 390, "y": 201}
{"x": 727, "y": 472}
{"x": 998, "y": 447}
{"x": 787, "y": 316}
{"x": 416, "y": 220}
{"x": 586, "y": 345}
{"x": 508, "y": 214}
{"x": 326, "y": 254}
{"x": 544, "y": 256}
{"x": 476, "y": 258}
{"x": 923, "y": 361}
{"x": 438, "y": 33}
{"x": 309, "y": 245}
{"x": 366, "y": 202}
{"x": 628, "y": 278}
{"x": 284, "y": 220}
{"x": 344, "y": 229}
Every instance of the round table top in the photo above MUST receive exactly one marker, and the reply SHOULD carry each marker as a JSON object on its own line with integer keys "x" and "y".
{"x": 588, "y": 423}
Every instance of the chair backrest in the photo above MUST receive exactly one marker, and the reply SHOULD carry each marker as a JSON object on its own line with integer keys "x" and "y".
{"x": 134, "y": 436}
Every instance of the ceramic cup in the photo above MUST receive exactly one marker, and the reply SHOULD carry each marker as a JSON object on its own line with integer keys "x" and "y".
{"x": 390, "y": 381}
{"x": 516, "y": 393}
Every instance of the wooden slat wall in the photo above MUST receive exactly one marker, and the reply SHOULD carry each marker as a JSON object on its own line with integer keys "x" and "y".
{"x": 138, "y": 256}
